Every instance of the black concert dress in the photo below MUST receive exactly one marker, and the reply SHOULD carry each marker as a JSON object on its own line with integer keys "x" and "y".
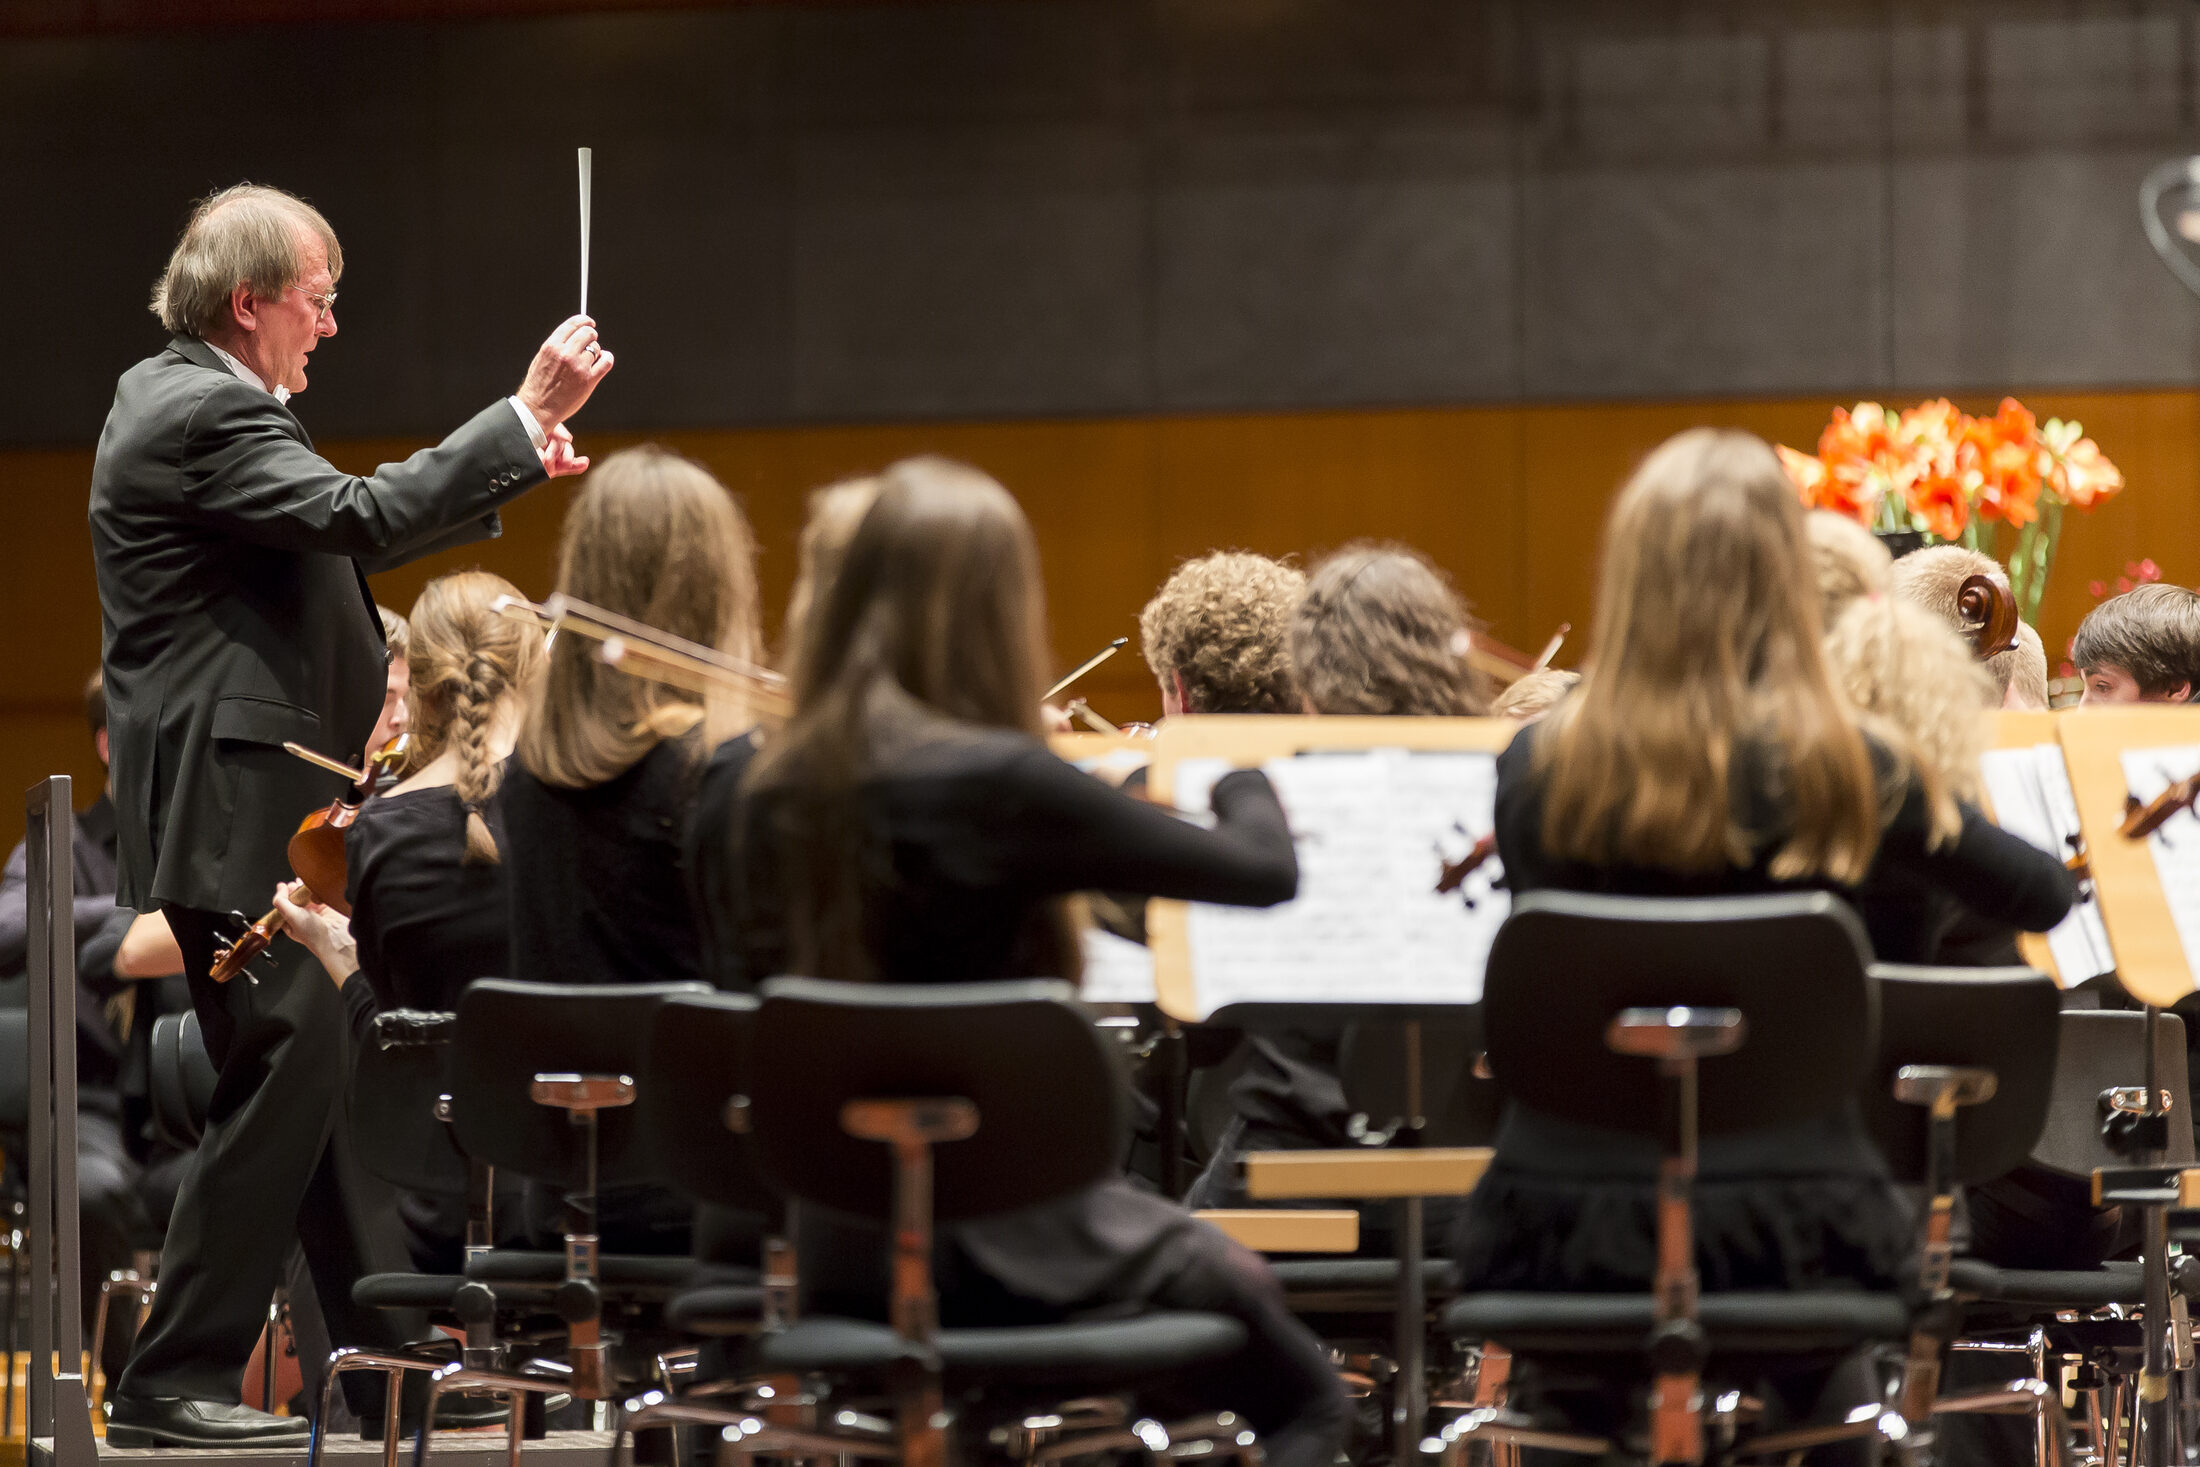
{"x": 986, "y": 828}
{"x": 1571, "y": 1208}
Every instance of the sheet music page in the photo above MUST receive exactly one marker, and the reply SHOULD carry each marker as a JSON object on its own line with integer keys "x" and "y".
{"x": 2032, "y": 799}
{"x": 2176, "y": 846}
{"x": 1373, "y": 830}
{"x": 1117, "y": 970}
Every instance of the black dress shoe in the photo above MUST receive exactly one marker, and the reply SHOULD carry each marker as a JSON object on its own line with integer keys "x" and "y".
{"x": 179, "y": 1421}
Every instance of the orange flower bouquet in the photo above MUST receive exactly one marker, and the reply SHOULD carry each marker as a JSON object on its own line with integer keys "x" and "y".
{"x": 1998, "y": 485}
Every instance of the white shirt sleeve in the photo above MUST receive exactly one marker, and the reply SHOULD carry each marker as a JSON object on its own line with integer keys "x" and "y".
{"x": 535, "y": 435}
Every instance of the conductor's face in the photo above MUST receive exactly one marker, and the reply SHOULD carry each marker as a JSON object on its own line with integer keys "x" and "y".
{"x": 288, "y": 325}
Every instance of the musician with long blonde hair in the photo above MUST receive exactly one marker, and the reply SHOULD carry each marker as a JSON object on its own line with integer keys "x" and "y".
{"x": 1707, "y": 752}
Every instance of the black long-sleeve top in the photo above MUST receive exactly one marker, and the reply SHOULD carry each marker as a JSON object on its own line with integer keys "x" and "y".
{"x": 1565, "y": 1206}
{"x": 983, "y": 827}
{"x": 427, "y": 924}
{"x": 1907, "y": 900}
{"x": 597, "y": 889}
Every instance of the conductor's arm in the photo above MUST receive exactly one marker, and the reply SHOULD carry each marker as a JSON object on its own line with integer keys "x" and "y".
{"x": 248, "y": 473}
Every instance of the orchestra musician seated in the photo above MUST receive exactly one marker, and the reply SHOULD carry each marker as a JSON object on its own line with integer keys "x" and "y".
{"x": 909, "y": 825}
{"x": 1706, "y": 752}
{"x": 1377, "y": 630}
{"x": 608, "y": 765}
{"x": 427, "y": 886}
{"x": 2141, "y": 647}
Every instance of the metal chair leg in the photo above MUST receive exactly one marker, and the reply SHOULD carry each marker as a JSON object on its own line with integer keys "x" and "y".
{"x": 15, "y": 1292}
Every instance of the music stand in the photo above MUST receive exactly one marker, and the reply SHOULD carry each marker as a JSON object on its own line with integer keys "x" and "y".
{"x": 58, "y": 1428}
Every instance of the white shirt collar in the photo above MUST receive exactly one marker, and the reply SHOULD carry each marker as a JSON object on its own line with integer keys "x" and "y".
{"x": 246, "y": 374}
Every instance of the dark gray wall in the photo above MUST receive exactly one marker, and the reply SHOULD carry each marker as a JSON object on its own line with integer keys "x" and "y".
{"x": 1039, "y": 207}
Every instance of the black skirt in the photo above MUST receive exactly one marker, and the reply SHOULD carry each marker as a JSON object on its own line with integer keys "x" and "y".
{"x": 1573, "y": 1209}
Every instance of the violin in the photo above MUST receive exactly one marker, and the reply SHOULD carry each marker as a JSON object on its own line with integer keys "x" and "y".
{"x": 1454, "y": 874}
{"x": 316, "y": 852}
{"x": 2143, "y": 819}
{"x": 1988, "y": 615}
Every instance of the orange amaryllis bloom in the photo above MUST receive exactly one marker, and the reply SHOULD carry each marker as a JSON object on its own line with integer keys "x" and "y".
{"x": 2077, "y": 471}
{"x": 1809, "y": 477}
{"x": 1940, "y": 503}
{"x": 2001, "y": 462}
{"x": 1863, "y": 461}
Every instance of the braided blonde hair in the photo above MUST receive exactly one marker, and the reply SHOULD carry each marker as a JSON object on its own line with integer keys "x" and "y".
{"x": 466, "y": 660}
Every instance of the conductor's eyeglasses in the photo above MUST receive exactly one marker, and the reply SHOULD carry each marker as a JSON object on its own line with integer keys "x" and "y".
{"x": 327, "y": 303}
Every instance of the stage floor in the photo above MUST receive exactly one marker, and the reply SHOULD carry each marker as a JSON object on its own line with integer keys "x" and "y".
{"x": 450, "y": 1449}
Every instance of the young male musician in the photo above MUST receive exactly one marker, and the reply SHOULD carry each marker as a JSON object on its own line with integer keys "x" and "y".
{"x": 232, "y": 565}
{"x": 2141, "y": 647}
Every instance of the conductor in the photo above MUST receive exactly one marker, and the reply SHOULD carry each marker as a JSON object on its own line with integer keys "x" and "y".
{"x": 232, "y": 563}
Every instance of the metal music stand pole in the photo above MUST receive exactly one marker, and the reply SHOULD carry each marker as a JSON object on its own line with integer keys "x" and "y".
{"x": 59, "y": 1411}
{"x": 1409, "y": 1395}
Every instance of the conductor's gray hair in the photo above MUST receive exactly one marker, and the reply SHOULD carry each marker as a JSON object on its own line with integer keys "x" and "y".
{"x": 247, "y": 234}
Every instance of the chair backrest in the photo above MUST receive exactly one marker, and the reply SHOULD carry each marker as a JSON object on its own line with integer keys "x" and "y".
{"x": 398, "y": 1129}
{"x": 2101, "y": 1050}
{"x": 1999, "y": 1019}
{"x": 1046, "y": 1083}
{"x": 181, "y": 1076}
{"x": 508, "y": 1033}
{"x": 1566, "y": 963}
{"x": 697, "y": 1074}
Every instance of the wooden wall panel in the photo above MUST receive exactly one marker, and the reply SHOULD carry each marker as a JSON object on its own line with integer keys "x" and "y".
{"x": 1509, "y": 500}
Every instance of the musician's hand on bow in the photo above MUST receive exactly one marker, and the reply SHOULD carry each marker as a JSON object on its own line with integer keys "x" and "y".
{"x": 1055, "y": 719}
{"x": 322, "y": 931}
{"x": 565, "y": 371}
{"x": 559, "y": 458}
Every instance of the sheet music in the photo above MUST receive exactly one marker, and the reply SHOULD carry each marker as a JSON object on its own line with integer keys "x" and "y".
{"x": 1117, "y": 970}
{"x": 2176, "y": 846}
{"x": 1373, "y": 830}
{"x": 2032, "y": 799}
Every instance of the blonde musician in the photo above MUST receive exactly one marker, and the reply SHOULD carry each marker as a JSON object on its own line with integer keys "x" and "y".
{"x": 1706, "y": 752}
{"x": 427, "y": 871}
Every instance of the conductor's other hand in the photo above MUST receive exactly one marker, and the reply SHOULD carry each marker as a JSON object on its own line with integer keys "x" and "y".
{"x": 564, "y": 372}
{"x": 559, "y": 458}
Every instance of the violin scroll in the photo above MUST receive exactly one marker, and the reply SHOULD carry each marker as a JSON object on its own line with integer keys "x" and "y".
{"x": 1988, "y": 613}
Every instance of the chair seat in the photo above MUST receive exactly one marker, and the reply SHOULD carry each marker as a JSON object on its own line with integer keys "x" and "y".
{"x": 722, "y": 1309}
{"x": 2048, "y": 1288}
{"x": 407, "y": 1290}
{"x": 636, "y": 1274}
{"x": 1099, "y": 1354}
{"x": 1356, "y": 1285}
{"x": 1737, "y": 1323}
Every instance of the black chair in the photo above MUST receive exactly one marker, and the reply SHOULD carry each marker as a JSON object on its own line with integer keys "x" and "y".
{"x": 542, "y": 1086}
{"x": 181, "y": 1078}
{"x": 1757, "y": 1011}
{"x": 1957, "y": 1094}
{"x": 696, "y": 1108}
{"x": 2090, "y": 1314}
{"x": 916, "y": 1105}
{"x": 400, "y": 1127}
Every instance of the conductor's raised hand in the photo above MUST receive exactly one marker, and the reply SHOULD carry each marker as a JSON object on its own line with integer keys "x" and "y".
{"x": 564, "y": 372}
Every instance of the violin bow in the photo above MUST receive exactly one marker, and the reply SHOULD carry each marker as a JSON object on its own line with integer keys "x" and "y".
{"x": 1086, "y": 666}
{"x": 644, "y": 651}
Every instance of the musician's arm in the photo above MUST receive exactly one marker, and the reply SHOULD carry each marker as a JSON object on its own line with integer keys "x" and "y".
{"x": 1997, "y": 875}
{"x": 1066, "y": 831}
